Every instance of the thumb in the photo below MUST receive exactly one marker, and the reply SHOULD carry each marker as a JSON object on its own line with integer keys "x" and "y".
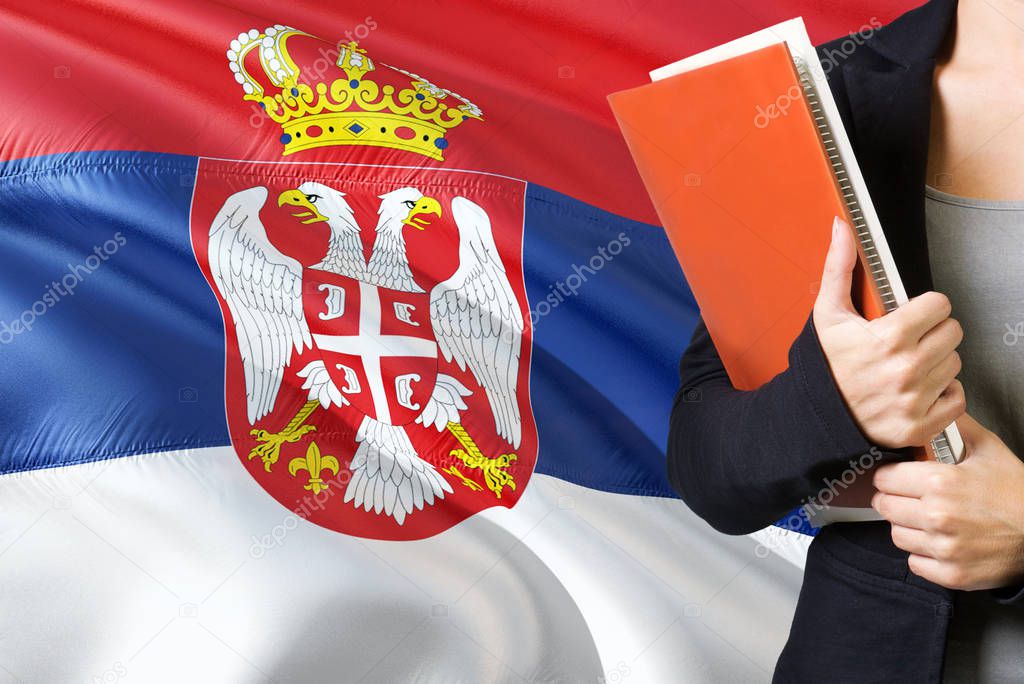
{"x": 834, "y": 303}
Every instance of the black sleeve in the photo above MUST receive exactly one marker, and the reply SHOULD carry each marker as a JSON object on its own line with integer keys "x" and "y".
{"x": 743, "y": 459}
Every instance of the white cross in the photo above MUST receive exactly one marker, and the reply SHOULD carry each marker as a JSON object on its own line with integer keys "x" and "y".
{"x": 371, "y": 346}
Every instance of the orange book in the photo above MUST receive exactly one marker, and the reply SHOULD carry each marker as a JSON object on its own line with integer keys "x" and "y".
{"x": 745, "y": 159}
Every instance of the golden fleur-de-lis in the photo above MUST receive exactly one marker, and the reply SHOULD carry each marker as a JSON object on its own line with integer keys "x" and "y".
{"x": 314, "y": 463}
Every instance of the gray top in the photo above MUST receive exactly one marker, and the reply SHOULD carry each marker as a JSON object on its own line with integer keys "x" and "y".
{"x": 976, "y": 249}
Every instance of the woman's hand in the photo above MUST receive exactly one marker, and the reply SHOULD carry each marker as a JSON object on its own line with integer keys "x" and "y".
{"x": 963, "y": 525}
{"x": 896, "y": 373}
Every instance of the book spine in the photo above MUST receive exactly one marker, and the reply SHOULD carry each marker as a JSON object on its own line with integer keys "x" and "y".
{"x": 940, "y": 447}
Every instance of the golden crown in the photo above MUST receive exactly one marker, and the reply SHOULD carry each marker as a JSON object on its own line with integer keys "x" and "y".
{"x": 414, "y": 115}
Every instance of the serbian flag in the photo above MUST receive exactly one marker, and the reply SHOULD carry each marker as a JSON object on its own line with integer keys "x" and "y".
{"x": 338, "y": 343}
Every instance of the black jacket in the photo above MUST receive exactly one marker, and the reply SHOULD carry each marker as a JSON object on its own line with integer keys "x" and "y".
{"x": 742, "y": 460}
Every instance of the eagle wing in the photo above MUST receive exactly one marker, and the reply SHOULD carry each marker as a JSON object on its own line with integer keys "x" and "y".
{"x": 263, "y": 289}
{"x": 477, "y": 320}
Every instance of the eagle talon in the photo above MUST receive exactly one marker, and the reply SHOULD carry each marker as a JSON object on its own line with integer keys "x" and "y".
{"x": 494, "y": 470}
{"x": 269, "y": 448}
{"x": 472, "y": 484}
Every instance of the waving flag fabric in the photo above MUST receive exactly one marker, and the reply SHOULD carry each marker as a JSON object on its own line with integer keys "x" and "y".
{"x": 339, "y": 344}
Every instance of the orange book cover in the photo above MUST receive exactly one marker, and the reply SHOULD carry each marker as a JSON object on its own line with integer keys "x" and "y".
{"x": 733, "y": 162}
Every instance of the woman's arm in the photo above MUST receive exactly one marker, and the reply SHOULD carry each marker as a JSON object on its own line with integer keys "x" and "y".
{"x": 742, "y": 459}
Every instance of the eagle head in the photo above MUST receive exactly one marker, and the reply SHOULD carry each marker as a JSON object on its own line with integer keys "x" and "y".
{"x": 314, "y": 202}
{"x": 407, "y": 206}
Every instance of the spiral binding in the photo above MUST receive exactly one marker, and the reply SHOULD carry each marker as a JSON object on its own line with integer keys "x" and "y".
{"x": 940, "y": 445}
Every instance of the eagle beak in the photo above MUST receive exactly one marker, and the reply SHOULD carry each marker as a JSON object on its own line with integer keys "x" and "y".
{"x": 306, "y": 211}
{"x": 417, "y": 217}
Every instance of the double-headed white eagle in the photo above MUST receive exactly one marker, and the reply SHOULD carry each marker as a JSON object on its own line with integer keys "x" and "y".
{"x": 476, "y": 320}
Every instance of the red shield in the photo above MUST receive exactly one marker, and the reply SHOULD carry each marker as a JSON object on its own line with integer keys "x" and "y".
{"x": 339, "y": 400}
{"x": 377, "y": 344}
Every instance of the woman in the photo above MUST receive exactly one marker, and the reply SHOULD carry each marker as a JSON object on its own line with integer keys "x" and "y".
{"x": 933, "y": 593}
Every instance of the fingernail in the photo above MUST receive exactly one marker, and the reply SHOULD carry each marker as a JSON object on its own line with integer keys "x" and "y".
{"x": 835, "y": 226}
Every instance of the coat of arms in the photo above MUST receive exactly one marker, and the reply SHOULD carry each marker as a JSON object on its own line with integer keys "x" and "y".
{"x": 375, "y": 315}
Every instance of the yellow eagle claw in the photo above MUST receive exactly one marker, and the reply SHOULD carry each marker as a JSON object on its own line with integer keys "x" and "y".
{"x": 269, "y": 448}
{"x": 494, "y": 470}
{"x": 473, "y": 485}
